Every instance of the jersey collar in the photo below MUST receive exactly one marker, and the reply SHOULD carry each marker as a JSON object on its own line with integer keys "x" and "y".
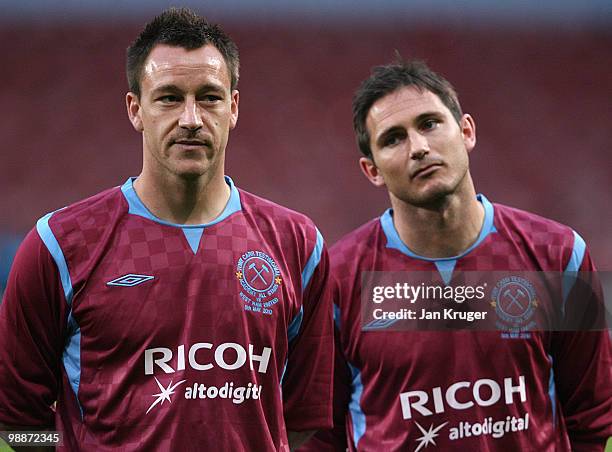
{"x": 394, "y": 241}
{"x": 136, "y": 207}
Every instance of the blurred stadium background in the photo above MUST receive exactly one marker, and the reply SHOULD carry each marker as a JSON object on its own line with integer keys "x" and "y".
{"x": 535, "y": 75}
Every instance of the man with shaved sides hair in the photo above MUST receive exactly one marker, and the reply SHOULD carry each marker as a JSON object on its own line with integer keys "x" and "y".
{"x": 175, "y": 311}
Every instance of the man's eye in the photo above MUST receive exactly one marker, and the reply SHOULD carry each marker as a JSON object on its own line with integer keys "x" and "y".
{"x": 168, "y": 99}
{"x": 211, "y": 98}
{"x": 430, "y": 124}
{"x": 393, "y": 140}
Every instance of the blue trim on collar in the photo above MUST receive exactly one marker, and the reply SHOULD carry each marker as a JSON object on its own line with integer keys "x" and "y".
{"x": 394, "y": 240}
{"x": 193, "y": 232}
{"x": 136, "y": 207}
{"x": 446, "y": 268}
{"x": 193, "y": 236}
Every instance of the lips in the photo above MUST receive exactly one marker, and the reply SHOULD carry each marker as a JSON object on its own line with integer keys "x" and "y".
{"x": 191, "y": 142}
{"x": 425, "y": 170}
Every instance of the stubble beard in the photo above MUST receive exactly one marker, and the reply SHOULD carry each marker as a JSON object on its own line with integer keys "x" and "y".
{"x": 192, "y": 169}
{"x": 204, "y": 171}
{"x": 434, "y": 198}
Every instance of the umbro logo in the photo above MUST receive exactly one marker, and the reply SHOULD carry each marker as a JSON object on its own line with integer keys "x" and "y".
{"x": 129, "y": 280}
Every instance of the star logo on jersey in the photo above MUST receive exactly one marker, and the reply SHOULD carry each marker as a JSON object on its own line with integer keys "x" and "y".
{"x": 428, "y": 435}
{"x": 130, "y": 280}
{"x": 259, "y": 278}
{"x": 164, "y": 394}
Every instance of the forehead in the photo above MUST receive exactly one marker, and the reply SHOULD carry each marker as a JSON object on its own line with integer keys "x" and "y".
{"x": 176, "y": 65}
{"x": 402, "y": 105}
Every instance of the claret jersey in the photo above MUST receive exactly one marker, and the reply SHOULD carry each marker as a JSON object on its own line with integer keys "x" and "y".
{"x": 467, "y": 390}
{"x": 156, "y": 336}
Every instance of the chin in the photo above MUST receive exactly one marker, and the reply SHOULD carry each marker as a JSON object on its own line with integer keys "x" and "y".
{"x": 190, "y": 176}
{"x": 430, "y": 198}
{"x": 195, "y": 171}
{"x": 189, "y": 171}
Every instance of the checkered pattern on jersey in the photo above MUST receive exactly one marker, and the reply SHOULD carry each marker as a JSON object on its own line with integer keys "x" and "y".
{"x": 102, "y": 242}
{"x": 191, "y": 296}
{"x": 95, "y": 228}
{"x": 522, "y": 242}
{"x": 129, "y": 343}
{"x": 360, "y": 251}
{"x": 391, "y": 362}
{"x": 80, "y": 229}
{"x": 284, "y": 224}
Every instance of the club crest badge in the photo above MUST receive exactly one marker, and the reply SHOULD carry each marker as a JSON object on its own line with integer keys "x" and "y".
{"x": 260, "y": 280}
{"x": 514, "y": 300}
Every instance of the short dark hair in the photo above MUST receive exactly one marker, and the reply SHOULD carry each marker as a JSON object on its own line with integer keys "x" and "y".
{"x": 387, "y": 79}
{"x": 179, "y": 27}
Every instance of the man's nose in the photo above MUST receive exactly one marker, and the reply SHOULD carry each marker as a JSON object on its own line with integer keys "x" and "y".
{"x": 191, "y": 117}
{"x": 418, "y": 145}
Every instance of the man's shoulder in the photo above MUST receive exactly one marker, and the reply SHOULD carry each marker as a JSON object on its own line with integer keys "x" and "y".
{"x": 92, "y": 212}
{"x": 550, "y": 243}
{"x": 537, "y": 227}
{"x": 76, "y": 229}
{"x": 274, "y": 217}
{"x": 353, "y": 247}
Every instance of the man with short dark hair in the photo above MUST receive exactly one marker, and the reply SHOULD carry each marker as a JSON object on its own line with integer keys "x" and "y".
{"x": 175, "y": 312}
{"x": 418, "y": 386}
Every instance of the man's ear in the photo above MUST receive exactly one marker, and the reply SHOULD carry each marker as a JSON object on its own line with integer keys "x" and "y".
{"x": 468, "y": 131}
{"x": 234, "y": 109}
{"x": 133, "y": 109}
{"x": 370, "y": 170}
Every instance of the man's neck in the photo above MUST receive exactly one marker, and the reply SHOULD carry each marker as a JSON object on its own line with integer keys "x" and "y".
{"x": 183, "y": 200}
{"x": 444, "y": 230}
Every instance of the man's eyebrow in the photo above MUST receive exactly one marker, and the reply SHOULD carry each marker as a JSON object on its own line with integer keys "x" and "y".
{"x": 210, "y": 87}
{"x": 171, "y": 88}
{"x": 166, "y": 88}
{"x": 427, "y": 115}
